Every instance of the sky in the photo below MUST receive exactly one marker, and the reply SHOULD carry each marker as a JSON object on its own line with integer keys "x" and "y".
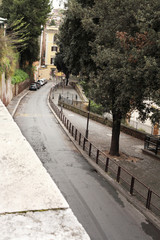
{"x": 58, "y": 3}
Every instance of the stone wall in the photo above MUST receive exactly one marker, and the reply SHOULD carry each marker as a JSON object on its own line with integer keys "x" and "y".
{"x": 8, "y": 90}
{"x": 80, "y": 92}
{"x": 19, "y": 87}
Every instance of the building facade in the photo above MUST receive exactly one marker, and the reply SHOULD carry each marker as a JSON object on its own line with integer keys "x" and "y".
{"x": 48, "y": 52}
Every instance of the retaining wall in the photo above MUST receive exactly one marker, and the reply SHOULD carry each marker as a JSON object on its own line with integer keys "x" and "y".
{"x": 8, "y": 90}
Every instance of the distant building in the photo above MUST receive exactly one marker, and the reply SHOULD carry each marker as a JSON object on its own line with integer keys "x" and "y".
{"x": 48, "y": 49}
{"x": 57, "y": 16}
{"x": 48, "y": 52}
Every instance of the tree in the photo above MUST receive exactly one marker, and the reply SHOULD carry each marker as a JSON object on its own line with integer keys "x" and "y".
{"x": 73, "y": 39}
{"x": 34, "y": 14}
{"x": 116, "y": 45}
{"x": 126, "y": 54}
{"x": 61, "y": 66}
{"x": 8, "y": 56}
{"x": 52, "y": 23}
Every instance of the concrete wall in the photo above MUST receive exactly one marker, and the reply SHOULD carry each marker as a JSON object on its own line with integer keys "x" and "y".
{"x": 19, "y": 87}
{"x": 8, "y": 90}
{"x": 5, "y": 89}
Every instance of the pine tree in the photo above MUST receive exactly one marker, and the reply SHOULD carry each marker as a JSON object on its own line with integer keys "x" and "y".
{"x": 34, "y": 15}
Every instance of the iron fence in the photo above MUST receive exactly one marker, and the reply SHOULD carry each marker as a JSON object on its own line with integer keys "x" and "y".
{"x": 152, "y": 143}
{"x": 133, "y": 185}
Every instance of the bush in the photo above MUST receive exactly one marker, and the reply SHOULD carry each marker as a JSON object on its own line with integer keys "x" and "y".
{"x": 8, "y": 56}
{"x": 96, "y": 108}
{"x": 19, "y": 76}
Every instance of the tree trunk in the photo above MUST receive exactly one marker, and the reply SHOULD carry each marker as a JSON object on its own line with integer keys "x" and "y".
{"x": 67, "y": 78}
{"x": 114, "y": 149}
{"x": 66, "y": 81}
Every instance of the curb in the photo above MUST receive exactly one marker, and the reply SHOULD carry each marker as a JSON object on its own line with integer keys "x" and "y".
{"x": 15, "y": 109}
{"x": 147, "y": 152}
{"x": 133, "y": 201}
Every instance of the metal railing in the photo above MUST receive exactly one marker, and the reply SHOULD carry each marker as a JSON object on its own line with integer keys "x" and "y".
{"x": 133, "y": 185}
{"x": 152, "y": 143}
{"x": 74, "y": 102}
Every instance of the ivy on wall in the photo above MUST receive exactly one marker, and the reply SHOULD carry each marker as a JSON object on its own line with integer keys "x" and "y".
{"x": 8, "y": 56}
{"x": 19, "y": 76}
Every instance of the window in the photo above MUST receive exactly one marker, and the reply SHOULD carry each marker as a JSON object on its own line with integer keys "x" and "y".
{"x": 52, "y": 61}
{"x": 54, "y": 48}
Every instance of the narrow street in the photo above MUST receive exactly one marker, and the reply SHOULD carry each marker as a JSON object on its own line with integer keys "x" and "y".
{"x": 103, "y": 212}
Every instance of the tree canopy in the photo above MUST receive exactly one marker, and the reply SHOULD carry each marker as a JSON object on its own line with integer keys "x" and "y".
{"x": 34, "y": 15}
{"x": 116, "y": 44}
{"x": 61, "y": 66}
{"x": 73, "y": 40}
{"x": 127, "y": 58}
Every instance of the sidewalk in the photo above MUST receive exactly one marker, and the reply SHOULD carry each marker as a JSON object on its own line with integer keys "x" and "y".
{"x": 12, "y": 106}
{"x": 31, "y": 205}
{"x": 146, "y": 168}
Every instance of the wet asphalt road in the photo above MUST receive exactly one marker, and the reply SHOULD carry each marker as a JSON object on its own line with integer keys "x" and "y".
{"x": 102, "y": 211}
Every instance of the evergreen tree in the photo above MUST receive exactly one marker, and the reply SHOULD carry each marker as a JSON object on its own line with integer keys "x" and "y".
{"x": 61, "y": 66}
{"x": 126, "y": 54}
{"x": 116, "y": 44}
{"x": 73, "y": 40}
{"x": 34, "y": 15}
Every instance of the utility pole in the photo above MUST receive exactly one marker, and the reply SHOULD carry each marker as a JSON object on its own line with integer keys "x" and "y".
{"x": 88, "y": 119}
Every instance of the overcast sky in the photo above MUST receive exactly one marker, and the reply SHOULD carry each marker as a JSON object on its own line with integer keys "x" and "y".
{"x": 58, "y": 3}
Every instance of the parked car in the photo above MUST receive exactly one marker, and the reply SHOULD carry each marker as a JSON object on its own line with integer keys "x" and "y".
{"x": 38, "y": 84}
{"x": 40, "y": 81}
{"x": 33, "y": 86}
{"x": 43, "y": 80}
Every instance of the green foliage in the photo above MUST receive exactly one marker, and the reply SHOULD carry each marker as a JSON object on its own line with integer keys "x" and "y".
{"x": 61, "y": 66}
{"x": 84, "y": 85}
{"x": 73, "y": 40}
{"x": 141, "y": 130}
{"x": 96, "y": 108}
{"x": 34, "y": 15}
{"x": 19, "y": 76}
{"x": 126, "y": 73}
{"x": 8, "y": 56}
{"x": 52, "y": 23}
{"x": 126, "y": 53}
{"x": 116, "y": 46}
{"x": 18, "y": 34}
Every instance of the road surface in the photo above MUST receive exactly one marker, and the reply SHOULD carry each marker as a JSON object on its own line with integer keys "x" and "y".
{"x": 104, "y": 213}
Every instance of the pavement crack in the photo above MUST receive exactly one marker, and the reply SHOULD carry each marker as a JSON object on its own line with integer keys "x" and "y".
{"x": 37, "y": 210}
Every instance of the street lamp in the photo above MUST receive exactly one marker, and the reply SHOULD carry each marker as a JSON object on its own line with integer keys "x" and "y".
{"x": 88, "y": 119}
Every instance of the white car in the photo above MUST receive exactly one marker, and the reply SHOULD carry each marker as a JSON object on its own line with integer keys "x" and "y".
{"x": 41, "y": 82}
{"x": 44, "y": 80}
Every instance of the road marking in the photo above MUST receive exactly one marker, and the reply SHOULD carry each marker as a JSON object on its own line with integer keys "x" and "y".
{"x": 31, "y": 115}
